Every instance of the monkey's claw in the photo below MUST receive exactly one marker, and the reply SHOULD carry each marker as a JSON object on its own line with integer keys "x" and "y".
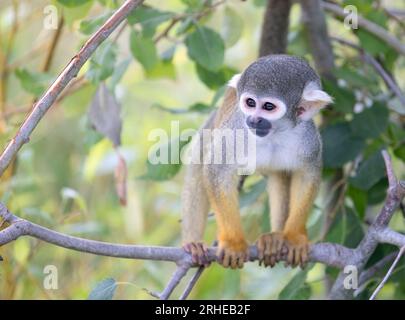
{"x": 199, "y": 253}
{"x": 298, "y": 250}
{"x": 232, "y": 255}
{"x": 269, "y": 246}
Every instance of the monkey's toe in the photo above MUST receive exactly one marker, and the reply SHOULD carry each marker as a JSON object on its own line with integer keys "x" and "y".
{"x": 269, "y": 246}
{"x": 298, "y": 251}
{"x": 232, "y": 257}
{"x": 199, "y": 253}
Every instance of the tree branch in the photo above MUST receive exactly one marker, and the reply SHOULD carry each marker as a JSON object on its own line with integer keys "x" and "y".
{"x": 391, "y": 269}
{"x": 314, "y": 21}
{"x": 275, "y": 27}
{"x": 377, "y": 233}
{"x": 70, "y": 71}
{"x": 388, "y": 79}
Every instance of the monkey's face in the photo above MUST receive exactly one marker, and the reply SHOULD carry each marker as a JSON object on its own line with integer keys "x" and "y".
{"x": 262, "y": 113}
{"x": 277, "y": 92}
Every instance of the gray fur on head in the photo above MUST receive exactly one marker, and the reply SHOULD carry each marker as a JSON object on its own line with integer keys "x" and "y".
{"x": 281, "y": 76}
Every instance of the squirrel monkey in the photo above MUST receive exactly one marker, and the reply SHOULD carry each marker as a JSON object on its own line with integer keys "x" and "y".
{"x": 274, "y": 100}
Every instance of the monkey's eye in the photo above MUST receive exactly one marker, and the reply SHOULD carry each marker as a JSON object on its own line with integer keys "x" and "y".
{"x": 250, "y": 103}
{"x": 269, "y": 106}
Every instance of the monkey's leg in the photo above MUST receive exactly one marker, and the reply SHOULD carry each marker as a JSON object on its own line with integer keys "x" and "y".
{"x": 195, "y": 206}
{"x": 304, "y": 187}
{"x": 222, "y": 189}
{"x": 270, "y": 245}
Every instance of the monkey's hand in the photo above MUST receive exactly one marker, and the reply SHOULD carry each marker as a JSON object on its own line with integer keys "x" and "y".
{"x": 199, "y": 253}
{"x": 232, "y": 253}
{"x": 297, "y": 245}
{"x": 269, "y": 246}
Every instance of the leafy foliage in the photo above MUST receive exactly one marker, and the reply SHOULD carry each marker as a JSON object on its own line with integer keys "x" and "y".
{"x": 172, "y": 62}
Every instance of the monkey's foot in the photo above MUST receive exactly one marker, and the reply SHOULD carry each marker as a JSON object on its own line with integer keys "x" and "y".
{"x": 199, "y": 253}
{"x": 269, "y": 246}
{"x": 298, "y": 249}
{"x": 232, "y": 254}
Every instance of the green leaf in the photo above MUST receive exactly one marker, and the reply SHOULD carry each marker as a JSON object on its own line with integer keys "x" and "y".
{"x": 371, "y": 122}
{"x": 32, "y": 82}
{"x": 73, "y": 3}
{"x": 215, "y": 80}
{"x": 359, "y": 198}
{"x": 193, "y": 4}
{"x": 102, "y": 63}
{"x": 118, "y": 73}
{"x": 73, "y": 13}
{"x": 346, "y": 229}
{"x": 206, "y": 47}
{"x": 103, "y": 290}
{"x": 343, "y": 98}
{"x": 339, "y": 145}
{"x": 259, "y": 3}
{"x": 400, "y": 152}
{"x": 296, "y": 289}
{"x": 371, "y": 43}
{"x": 232, "y": 27}
{"x": 163, "y": 69}
{"x": 200, "y": 107}
{"x": 143, "y": 49}
{"x": 369, "y": 172}
{"x": 91, "y": 25}
{"x": 353, "y": 77}
{"x": 149, "y": 18}
{"x": 377, "y": 193}
{"x": 163, "y": 166}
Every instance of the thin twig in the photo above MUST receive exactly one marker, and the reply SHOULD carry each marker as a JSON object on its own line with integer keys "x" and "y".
{"x": 179, "y": 274}
{"x": 52, "y": 47}
{"x": 370, "y": 26}
{"x": 192, "y": 283}
{"x": 377, "y": 233}
{"x": 391, "y": 269}
{"x": 388, "y": 79}
{"x": 392, "y": 180}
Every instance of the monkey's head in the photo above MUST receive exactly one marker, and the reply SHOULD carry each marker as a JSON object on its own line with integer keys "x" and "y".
{"x": 277, "y": 92}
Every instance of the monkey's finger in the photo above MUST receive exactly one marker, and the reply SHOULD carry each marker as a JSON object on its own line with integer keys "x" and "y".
{"x": 226, "y": 262}
{"x": 304, "y": 257}
{"x": 297, "y": 256}
{"x": 234, "y": 261}
{"x": 195, "y": 254}
{"x": 186, "y": 247}
{"x": 200, "y": 254}
{"x": 241, "y": 261}
{"x": 279, "y": 248}
{"x": 220, "y": 255}
{"x": 290, "y": 257}
{"x": 260, "y": 244}
{"x": 272, "y": 260}
{"x": 268, "y": 247}
{"x": 246, "y": 255}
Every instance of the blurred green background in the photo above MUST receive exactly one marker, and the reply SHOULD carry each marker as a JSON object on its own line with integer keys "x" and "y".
{"x": 64, "y": 178}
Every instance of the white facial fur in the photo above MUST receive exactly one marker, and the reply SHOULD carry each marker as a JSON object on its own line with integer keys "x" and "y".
{"x": 258, "y": 110}
{"x": 234, "y": 81}
{"x": 313, "y": 100}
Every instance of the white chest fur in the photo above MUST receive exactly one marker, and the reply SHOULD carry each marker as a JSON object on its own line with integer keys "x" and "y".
{"x": 279, "y": 151}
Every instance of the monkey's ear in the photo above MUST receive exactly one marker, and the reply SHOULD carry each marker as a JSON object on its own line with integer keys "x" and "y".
{"x": 313, "y": 100}
{"x": 234, "y": 81}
